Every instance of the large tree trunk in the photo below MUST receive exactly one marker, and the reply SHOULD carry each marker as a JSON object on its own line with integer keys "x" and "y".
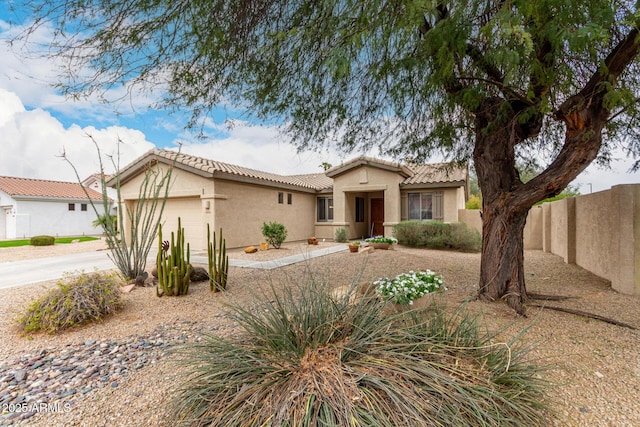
{"x": 502, "y": 260}
{"x": 504, "y": 213}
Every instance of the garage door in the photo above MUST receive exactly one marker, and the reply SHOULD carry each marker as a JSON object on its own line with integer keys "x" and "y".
{"x": 189, "y": 210}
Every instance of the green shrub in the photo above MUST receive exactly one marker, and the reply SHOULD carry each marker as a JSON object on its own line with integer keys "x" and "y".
{"x": 274, "y": 233}
{"x": 75, "y": 301}
{"x": 306, "y": 358}
{"x": 42, "y": 241}
{"x": 438, "y": 235}
{"x": 474, "y": 202}
{"x": 341, "y": 235}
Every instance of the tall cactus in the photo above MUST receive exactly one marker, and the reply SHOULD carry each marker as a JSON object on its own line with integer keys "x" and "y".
{"x": 218, "y": 261}
{"x": 173, "y": 268}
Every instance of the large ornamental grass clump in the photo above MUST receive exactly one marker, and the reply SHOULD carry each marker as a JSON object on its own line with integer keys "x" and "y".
{"x": 306, "y": 358}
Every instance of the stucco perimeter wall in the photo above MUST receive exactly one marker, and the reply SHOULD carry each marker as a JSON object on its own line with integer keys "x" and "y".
{"x": 241, "y": 209}
{"x": 532, "y": 229}
{"x": 600, "y": 232}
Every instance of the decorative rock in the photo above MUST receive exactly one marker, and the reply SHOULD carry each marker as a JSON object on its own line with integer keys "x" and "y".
{"x": 199, "y": 274}
{"x": 20, "y": 375}
{"x": 264, "y": 246}
{"x": 251, "y": 250}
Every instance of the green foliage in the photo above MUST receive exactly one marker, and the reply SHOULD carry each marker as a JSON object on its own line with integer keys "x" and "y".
{"x": 408, "y": 287}
{"x": 58, "y": 240}
{"x": 341, "y": 235}
{"x": 438, "y": 235}
{"x": 570, "y": 191}
{"x": 305, "y": 358}
{"x": 42, "y": 241}
{"x": 75, "y": 301}
{"x": 274, "y": 233}
{"x": 474, "y": 202}
{"x": 218, "y": 261}
{"x": 102, "y": 221}
{"x": 174, "y": 270}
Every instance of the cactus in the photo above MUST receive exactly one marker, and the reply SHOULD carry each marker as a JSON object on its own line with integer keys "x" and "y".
{"x": 218, "y": 262}
{"x": 173, "y": 268}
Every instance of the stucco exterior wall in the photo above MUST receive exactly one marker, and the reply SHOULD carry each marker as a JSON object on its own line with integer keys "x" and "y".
{"x": 241, "y": 209}
{"x": 366, "y": 181}
{"x": 600, "y": 232}
{"x": 30, "y": 218}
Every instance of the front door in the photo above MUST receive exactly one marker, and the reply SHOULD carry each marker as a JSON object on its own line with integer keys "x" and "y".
{"x": 377, "y": 217}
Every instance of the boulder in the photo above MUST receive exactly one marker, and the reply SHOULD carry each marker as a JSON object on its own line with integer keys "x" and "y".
{"x": 199, "y": 274}
{"x": 251, "y": 250}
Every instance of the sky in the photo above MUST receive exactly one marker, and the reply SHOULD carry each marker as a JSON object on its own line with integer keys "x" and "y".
{"x": 38, "y": 125}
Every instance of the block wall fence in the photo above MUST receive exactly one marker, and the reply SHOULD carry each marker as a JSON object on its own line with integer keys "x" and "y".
{"x": 600, "y": 232}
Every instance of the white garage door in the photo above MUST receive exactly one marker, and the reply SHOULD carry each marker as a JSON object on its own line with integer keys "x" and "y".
{"x": 190, "y": 212}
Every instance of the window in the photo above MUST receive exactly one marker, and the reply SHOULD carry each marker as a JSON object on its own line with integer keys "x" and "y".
{"x": 325, "y": 209}
{"x": 289, "y": 198}
{"x": 72, "y": 206}
{"x": 359, "y": 209}
{"x": 83, "y": 207}
{"x": 426, "y": 206}
{"x": 280, "y": 197}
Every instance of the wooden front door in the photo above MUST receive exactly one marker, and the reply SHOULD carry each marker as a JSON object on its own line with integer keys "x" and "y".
{"x": 377, "y": 216}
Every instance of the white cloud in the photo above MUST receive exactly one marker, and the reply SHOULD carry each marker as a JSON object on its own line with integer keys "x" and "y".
{"x": 33, "y": 141}
{"x": 260, "y": 147}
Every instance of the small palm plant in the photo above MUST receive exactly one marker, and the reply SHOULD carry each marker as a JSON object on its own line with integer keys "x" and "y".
{"x": 308, "y": 359}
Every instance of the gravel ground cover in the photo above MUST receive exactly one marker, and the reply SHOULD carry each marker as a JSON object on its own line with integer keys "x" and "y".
{"x": 122, "y": 372}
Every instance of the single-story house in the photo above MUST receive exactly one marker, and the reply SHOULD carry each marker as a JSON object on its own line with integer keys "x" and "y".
{"x": 364, "y": 195}
{"x": 32, "y": 207}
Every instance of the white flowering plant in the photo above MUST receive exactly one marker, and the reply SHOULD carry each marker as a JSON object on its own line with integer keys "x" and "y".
{"x": 408, "y": 287}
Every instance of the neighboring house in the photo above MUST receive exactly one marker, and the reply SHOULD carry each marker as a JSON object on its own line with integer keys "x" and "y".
{"x": 32, "y": 207}
{"x": 366, "y": 196}
{"x": 95, "y": 183}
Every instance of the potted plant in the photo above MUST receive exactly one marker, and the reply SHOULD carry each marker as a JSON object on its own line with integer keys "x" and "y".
{"x": 381, "y": 242}
{"x": 410, "y": 290}
{"x": 354, "y": 246}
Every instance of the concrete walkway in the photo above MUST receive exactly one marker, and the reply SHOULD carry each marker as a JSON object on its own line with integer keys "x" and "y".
{"x": 26, "y": 272}
{"x": 276, "y": 263}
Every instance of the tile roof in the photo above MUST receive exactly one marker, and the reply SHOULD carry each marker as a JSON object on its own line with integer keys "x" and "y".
{"x": 215, "y": 168}
{"x": 435, "y": 173}
{"x": 28, "y": 187}
{"x": 413, "y": 174}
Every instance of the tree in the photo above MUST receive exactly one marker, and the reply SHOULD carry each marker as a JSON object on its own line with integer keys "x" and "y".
{"x": 483, "y": 79}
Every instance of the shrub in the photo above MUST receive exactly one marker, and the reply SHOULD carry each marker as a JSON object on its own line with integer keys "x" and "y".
{"x": 306, "y": 358}
{"x": 274, "y": 233}
{"x": 341, "y": 235}
{"x": 42, "y": 241}
{"x": 382, "y": 239}
{"x": 75, "y": 301}
{"x": 408, "y": 287}
{"x": 438, "y": 235}
{"x": 474, "y": 202}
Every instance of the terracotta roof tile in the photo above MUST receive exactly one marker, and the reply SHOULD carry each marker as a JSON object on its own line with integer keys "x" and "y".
{"x": 435, "y": 173}
{"x": 25, "y": 187}
{"x": 413, "y": 174}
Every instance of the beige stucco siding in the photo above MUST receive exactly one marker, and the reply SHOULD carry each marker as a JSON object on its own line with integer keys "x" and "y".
{"x": 241, "y": 209}
{"x": 366, "y": 181}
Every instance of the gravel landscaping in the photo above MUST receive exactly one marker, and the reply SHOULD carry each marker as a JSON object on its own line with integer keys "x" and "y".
{"x": 121, "y": 371}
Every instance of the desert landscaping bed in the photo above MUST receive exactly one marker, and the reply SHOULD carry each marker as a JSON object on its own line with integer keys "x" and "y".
{"x": 121, "y": 371}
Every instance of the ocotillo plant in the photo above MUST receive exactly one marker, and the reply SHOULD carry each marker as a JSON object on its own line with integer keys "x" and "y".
{"x": 218, "y": 261}
{"x": 173, "y": 268}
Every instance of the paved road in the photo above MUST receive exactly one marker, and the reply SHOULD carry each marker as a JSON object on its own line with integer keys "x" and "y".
{"x": 20, "y": 273}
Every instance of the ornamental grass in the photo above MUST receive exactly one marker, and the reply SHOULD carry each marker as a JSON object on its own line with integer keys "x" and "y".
{"x": 307, "y": 358}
